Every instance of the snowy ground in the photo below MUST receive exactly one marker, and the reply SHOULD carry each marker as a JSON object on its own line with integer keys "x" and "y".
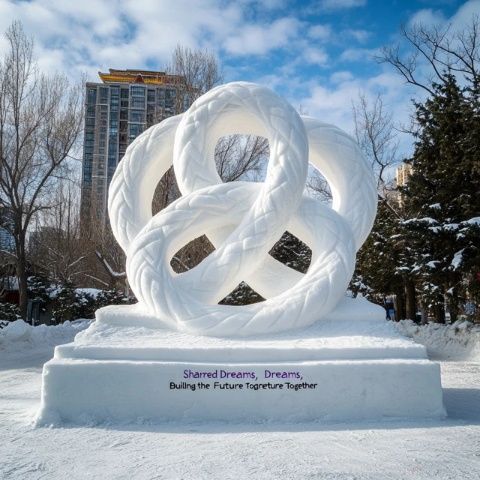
{"x": 448, "y": 449}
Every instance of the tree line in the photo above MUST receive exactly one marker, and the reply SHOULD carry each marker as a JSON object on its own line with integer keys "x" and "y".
{"x": 424, "y": 249}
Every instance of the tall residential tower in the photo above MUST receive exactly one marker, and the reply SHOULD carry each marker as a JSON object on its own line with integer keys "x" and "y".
{"x": 117, "y": 111}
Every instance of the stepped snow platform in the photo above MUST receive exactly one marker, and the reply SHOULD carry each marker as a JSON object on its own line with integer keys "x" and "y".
{"x": 352, "y": 365}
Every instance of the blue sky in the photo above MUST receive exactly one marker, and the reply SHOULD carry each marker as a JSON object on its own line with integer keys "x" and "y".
{"x": 319, "y": 54}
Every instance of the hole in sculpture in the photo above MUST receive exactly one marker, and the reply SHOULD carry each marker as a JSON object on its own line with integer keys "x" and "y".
{"x": 242, "y": 295}
{"x": 166, "y": 192}
{"x": 238, "y": 157}
{"x": 191, "y": 254}
{"x": 292, "y": 252}
{"x": 241, "y": 157}
{"x": 317, "y": 186}
{"x": 289, "y": 250}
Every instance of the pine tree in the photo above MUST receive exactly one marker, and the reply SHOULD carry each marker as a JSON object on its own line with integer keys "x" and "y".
{"x": 385, "y": 261}
{"x": 441, "y": 197}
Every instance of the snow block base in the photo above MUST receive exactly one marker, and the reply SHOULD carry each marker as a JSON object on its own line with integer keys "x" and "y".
{"x": 339, "y": 369}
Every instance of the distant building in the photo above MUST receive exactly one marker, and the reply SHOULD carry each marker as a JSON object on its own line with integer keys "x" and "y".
{"x": 402, "y": 174}
{"x": 7, "y": 241}
{"x": 117, "y": 111}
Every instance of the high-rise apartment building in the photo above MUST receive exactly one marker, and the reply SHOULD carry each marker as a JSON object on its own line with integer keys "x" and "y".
{"x": 402, "y": 174}
{"x": 117, "y": 111}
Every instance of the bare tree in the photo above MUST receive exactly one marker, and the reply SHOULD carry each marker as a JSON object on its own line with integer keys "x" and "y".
{"x": 56, "y": 245}
{"x": 240, "y": 156}
{"x": 166, "y": 192}
{"x": 317, "y": 186}
{"x": 112, "y": 259}
{"x": 442, "y": 48}
{"x": 40, "y": 122}
{"x": 376, "y": 135}
{"x": 200, "y": 72}
{"x": 236, "y": 156}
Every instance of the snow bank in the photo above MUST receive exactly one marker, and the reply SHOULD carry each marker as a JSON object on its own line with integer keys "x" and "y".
{"x": 20, "y": 335}
{"x": 459, "y": 341}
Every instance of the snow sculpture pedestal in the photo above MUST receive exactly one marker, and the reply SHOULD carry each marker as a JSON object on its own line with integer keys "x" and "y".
{"x": 306, "y": 352}
{"x": 353, "y": 366}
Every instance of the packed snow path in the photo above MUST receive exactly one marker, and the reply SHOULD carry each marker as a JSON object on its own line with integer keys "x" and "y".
{"x": 448, "y": 449}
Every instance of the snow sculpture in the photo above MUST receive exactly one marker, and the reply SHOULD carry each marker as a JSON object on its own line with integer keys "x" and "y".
{"x": 242, "y": 219}
{"x": 142, "y": 361}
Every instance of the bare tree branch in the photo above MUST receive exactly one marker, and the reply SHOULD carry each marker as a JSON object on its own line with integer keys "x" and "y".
{"x": 441, "y": 49}
{"x": 40, "y": 122}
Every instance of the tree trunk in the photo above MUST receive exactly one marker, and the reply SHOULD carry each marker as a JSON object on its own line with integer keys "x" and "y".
{"x": 439, "y": 312}
{"x": 399, "y": 305}
{"x": 411, "y": 301}
{"x": 22, "y": 276}
{"x": 453, "y": 306}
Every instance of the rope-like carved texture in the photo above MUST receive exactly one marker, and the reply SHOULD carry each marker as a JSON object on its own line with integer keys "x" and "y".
{"x": 244, "y": 220}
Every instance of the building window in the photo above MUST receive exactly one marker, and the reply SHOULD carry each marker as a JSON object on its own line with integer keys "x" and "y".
{"x": 137, "y": 116}
{"x": 103, "y": 95}
{"x": 137, "y": 102}
{"x": 138, "y": 91}
{"x": 91, "y": 96}
{"x": 135, "y": 130}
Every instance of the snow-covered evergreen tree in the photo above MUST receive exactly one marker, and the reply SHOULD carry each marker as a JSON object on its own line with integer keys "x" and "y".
{"x": 441, "y": 197}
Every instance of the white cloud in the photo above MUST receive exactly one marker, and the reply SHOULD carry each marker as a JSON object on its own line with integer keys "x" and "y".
{"x": 459, "y": 20}
{"x": 341, "y": 4}
{"x": 315, "y": 56}
{"x": 465, "y": 12}
{"x": 334, "y": 104}
{"x": 259, "y": 39}
{"x": 358, "y": 54}
{"x": 357, "y": 34}
{"x": 426, "y": 16}
{"x": 341, "y": 76}
{"x": 92, "y": 35}
{"x": 320, "y": 32}
{"x": 273, "y": 4}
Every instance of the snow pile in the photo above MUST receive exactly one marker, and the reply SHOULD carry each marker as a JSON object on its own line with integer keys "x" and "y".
{"x": 20, "y": 335}
{"x": 92, "y": 292}
{"x": 459, "y": 341}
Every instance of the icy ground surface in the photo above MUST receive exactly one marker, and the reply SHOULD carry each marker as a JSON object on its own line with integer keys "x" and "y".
{"x": 448, "y": 449}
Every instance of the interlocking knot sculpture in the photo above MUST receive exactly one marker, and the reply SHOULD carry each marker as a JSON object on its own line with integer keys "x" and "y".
{"x": 242, "y": 219}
